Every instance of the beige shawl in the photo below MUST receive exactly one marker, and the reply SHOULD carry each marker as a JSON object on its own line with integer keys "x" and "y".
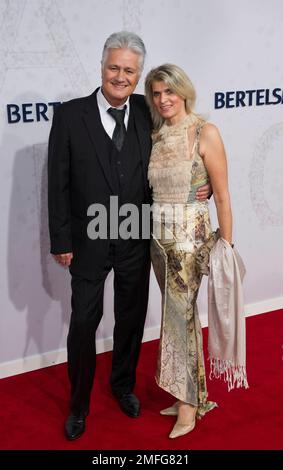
{"x": 226, "y": 318}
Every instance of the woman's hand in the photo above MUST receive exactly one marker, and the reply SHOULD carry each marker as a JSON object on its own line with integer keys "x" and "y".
{"x": 204, "y": 192}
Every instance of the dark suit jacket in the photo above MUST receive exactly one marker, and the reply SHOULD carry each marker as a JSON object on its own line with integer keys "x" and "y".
{"x": 79, "y": 175}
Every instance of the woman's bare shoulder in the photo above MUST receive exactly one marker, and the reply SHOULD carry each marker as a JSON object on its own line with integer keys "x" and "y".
{"x": 210, "y": 131}
{"x": 210, "y": 138}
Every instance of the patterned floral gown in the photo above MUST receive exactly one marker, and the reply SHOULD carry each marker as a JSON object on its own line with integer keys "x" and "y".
{"x": 182, "y": 239}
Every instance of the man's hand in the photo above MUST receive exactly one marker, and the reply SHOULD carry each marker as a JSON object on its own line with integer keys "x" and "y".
{"x": 204, "y": 192}
{"x": 64, "y": 259}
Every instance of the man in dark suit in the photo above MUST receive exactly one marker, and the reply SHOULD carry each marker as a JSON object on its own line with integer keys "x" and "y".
{"x": 87, "y": 165}
{"x": 99, "y": 147}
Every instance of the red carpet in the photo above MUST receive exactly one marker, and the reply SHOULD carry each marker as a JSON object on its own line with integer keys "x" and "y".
{"x": 34, "y": 405}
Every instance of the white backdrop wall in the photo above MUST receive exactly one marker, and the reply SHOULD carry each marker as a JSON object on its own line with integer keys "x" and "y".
{"x": 50, "y": 51}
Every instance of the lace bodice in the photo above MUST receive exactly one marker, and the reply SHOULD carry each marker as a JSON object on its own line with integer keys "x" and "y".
{"x": 174, "y": 171}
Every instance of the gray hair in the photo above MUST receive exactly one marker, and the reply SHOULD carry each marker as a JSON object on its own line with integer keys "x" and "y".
{"x": 125, "y": 40}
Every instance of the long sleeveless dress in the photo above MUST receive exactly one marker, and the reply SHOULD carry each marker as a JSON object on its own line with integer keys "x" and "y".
{"x": 182, "y": 239}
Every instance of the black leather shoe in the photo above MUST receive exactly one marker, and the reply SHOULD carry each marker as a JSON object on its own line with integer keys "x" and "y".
{"x": 129, "y": 404}
{"x": 75, "y": 426}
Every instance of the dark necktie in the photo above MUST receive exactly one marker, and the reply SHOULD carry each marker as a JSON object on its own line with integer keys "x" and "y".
{"x": 120, "y": 129}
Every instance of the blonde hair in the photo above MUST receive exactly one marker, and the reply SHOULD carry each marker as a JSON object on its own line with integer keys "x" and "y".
{"x": 178, "y": 82}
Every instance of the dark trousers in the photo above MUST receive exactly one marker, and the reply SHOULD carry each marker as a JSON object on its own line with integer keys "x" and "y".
{"x": 130, "y": 261}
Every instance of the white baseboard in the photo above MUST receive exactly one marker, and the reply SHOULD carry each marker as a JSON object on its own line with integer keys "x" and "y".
{"x": 264, "y": 306}
{"x": 51, "y": 358}
{"x": 29, "y": 363}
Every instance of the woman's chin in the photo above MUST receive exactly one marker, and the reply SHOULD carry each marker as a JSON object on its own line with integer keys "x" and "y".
{"x": 166, "y": 115}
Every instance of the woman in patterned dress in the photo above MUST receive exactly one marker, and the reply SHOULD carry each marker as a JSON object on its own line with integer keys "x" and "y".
{"x": 187, "y": 153}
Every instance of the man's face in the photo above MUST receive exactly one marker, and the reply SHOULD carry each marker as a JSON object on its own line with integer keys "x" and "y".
{"x": 120, "y": 75}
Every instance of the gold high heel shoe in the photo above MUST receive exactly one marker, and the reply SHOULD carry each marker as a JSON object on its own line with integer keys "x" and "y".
{"x": 180, "y": 429}
{"x": 171, "y": 411}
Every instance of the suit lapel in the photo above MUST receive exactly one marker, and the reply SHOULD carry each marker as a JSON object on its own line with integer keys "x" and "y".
{"x": 95, "y": 130}
{"x": 144, "y": 136}
{"x": 94, "y": 126}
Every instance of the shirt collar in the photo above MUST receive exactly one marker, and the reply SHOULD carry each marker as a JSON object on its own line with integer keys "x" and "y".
{"x": 103, "y": 103}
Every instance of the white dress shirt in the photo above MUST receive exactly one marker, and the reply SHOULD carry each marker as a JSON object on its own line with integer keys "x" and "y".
{"x": 107, "y": 120}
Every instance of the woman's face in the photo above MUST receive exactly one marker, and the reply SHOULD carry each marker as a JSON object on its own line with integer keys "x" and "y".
{"x": 169, "y": 105}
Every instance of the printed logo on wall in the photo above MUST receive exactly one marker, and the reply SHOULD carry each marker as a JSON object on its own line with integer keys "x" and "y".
{"x": 30, "y": 112}
{"x": 266, "y": 203}
{"x": 266, "y": 177}
{"x": 65, "y": 53}
{"x": 240, "y": 98}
